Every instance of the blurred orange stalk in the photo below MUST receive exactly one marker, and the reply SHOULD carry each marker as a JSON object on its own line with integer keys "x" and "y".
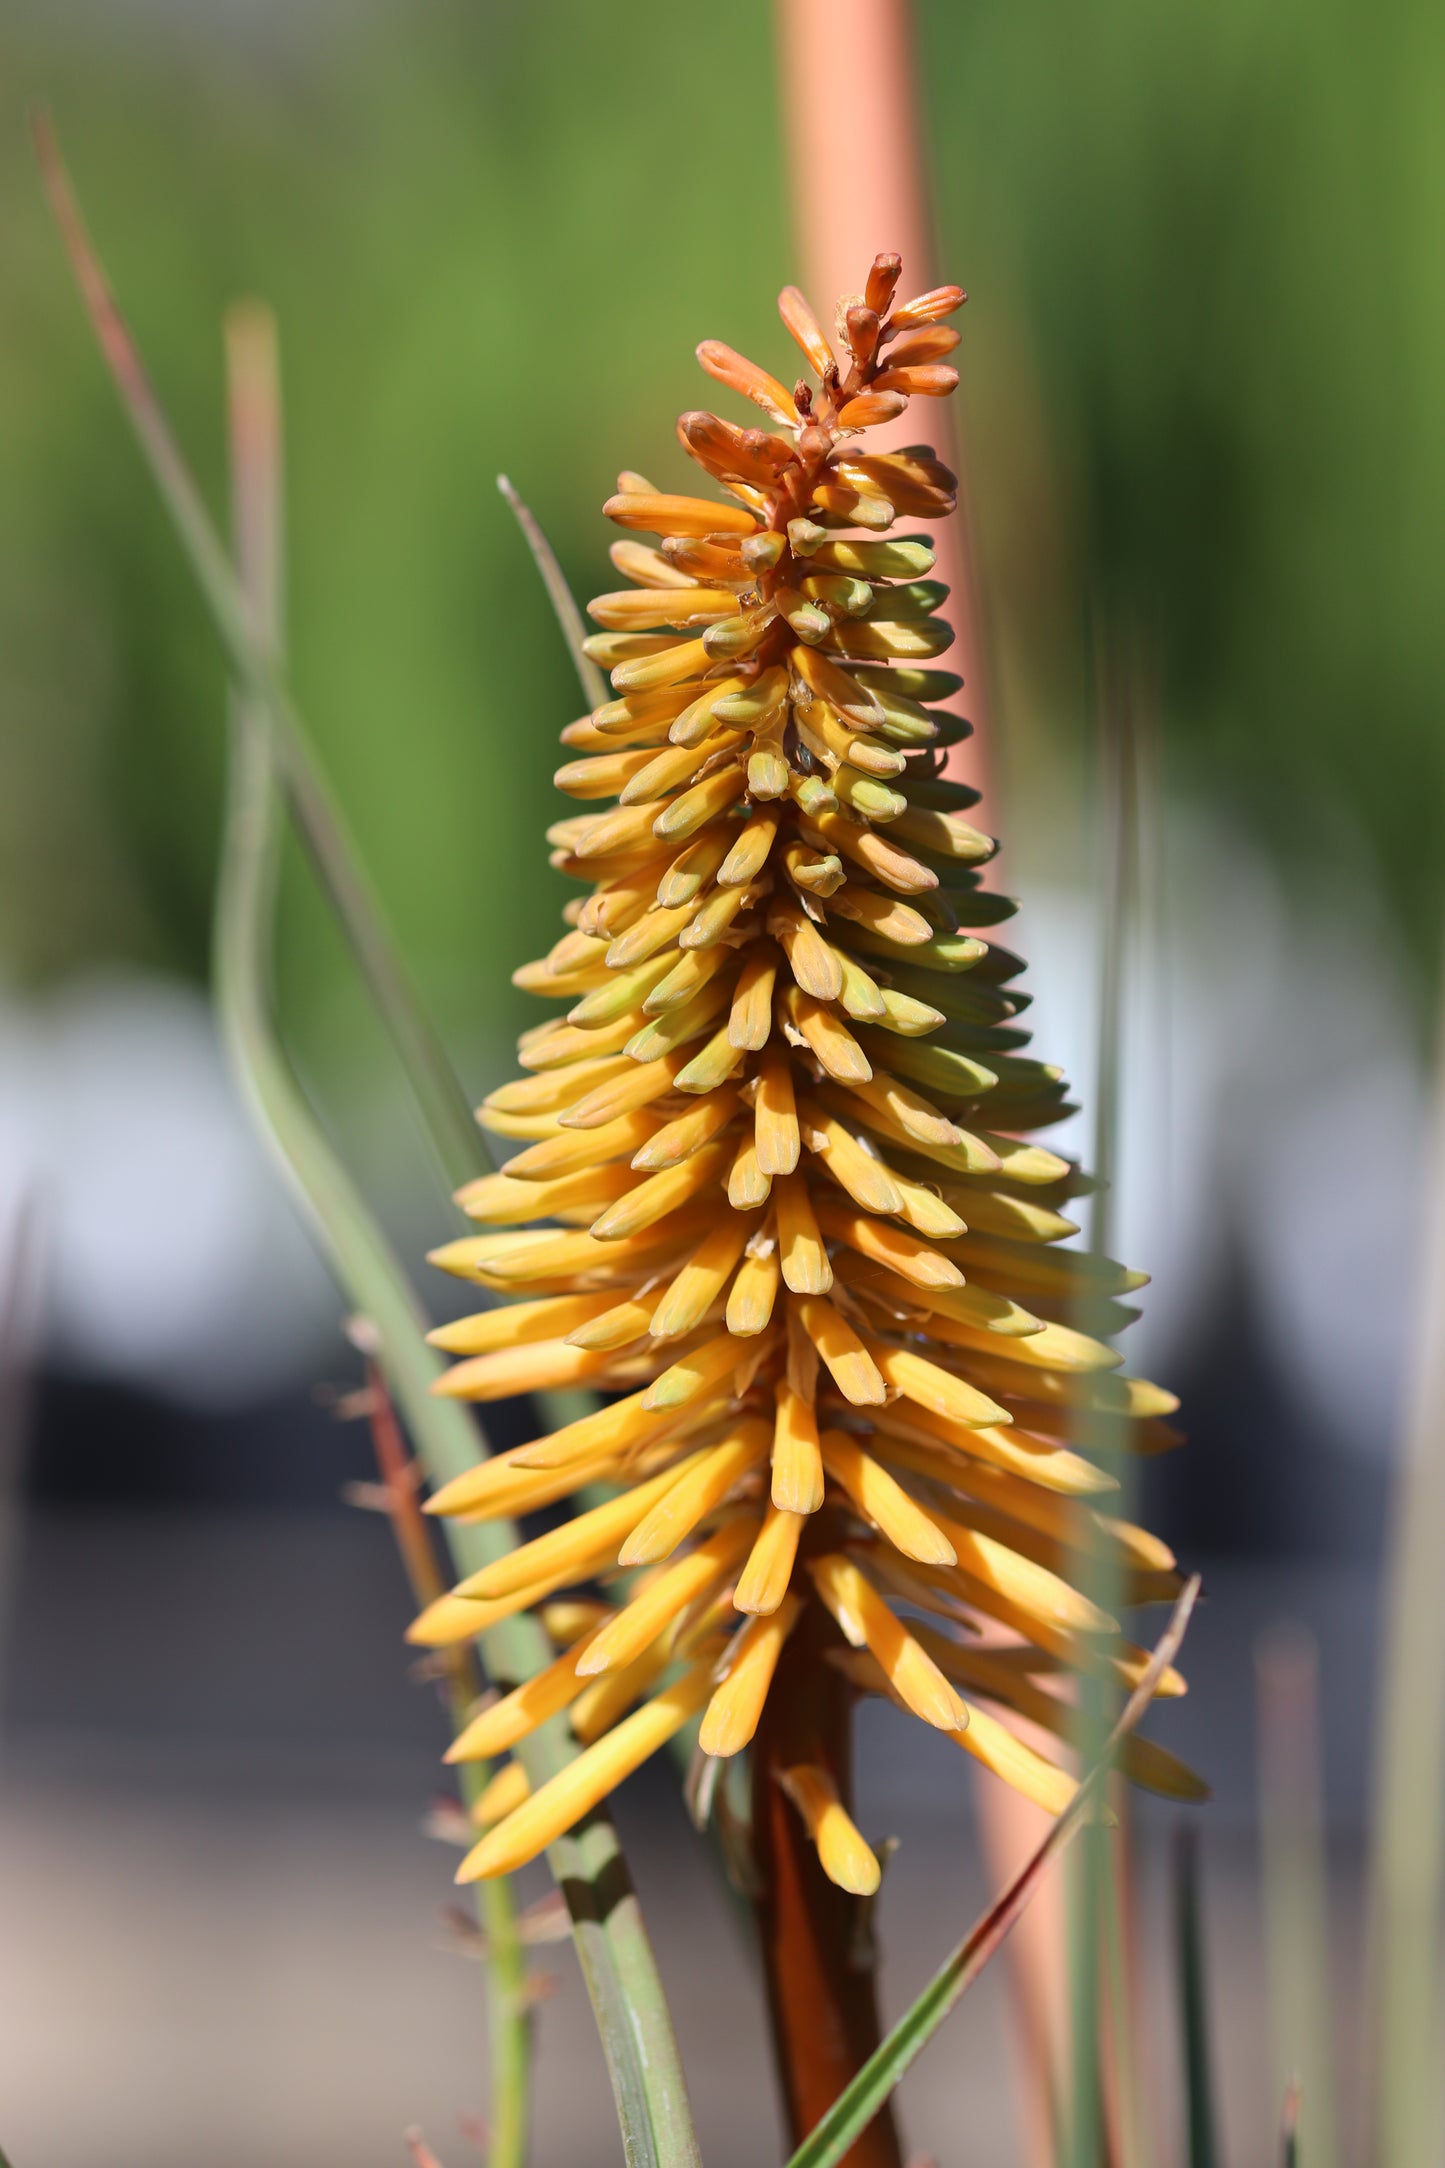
{"x": 848, "y": 90}
{"x": 850, "y": 107}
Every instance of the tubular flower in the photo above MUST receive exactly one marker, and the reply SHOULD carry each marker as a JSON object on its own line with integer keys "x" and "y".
{"x": 770, "y": 1190}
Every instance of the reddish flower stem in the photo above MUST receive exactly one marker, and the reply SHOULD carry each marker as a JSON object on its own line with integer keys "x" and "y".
{"x": 821, "y": 1985}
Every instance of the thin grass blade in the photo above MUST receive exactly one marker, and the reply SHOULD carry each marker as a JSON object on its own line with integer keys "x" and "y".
{"x": 450, "y": 1128}
{"x": 569, "y": 617}
{"x": 608, "y": 1930}
{"x": 1289, "y": 2148}
{"x": 254, "y": 408}
{"x": 856, "y": 2106}
{"x": 1296, "y": 1884}
{"x": 1201, "y": 2121}
{"x": 1407, "y": 2074}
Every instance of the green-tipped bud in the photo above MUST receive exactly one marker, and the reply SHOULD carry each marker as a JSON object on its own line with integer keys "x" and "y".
{"x": 867, "y": 796}
{"x": 804, "y": 536}
{"x": 851, "y": 597}
{"x": 814, "y": 796}
{"x": 913, "y": 599}
{"x": 737, "y": 635}
{"x": 902, "y": 560}
{"x": 760, "y": 552}
{"x": 748, "y": 707}
{"x": 913, "y": 684}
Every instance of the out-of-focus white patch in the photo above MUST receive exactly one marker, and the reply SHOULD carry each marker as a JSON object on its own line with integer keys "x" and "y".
{"x": 1271, "y": 1118}
{"x": 173, "y": 1256}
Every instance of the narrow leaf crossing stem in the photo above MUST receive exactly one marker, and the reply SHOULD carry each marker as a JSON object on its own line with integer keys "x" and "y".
{"x": 859, "y": 2102}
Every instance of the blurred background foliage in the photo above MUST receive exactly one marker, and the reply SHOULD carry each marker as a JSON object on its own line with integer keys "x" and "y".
{"x": 1203, "y": 355}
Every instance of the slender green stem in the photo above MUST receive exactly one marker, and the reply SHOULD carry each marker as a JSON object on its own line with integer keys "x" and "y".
{"x": 1295, "y": 1879}
{"x": 611, "y": 1939}
{"x": 569, "y": 617}
{"x": 1200, "y": 2123}
{"x": 859, "y": 2102}
{"x": 254, "y": 406}
{"x": 1410, "y": 1748}
{"x": 1103, "y": 2117}
{"x": 448, "y": 1117}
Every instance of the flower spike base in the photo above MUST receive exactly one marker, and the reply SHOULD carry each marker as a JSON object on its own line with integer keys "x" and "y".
{"x": 771, "y": 1189}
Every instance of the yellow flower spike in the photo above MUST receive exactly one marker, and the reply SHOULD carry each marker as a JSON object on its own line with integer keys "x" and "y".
{"x": 653, "y": 1197}
{"x": 690, "y": 1297}
{"x": 501, "y": 1796}
{"x": 747, "y": 1185}
{"x": 553, "y": 1809}
{"x": 452, "y": 1619}
{"x": 797, "y": 1477}
{"x": 629, "y": 1085}
{"x": 984, "y": 1672}
{"x": 763, "y": 1583}
{"x": 784, "y": 1053}
{"x": 842, "y": 1853}
{"x": 649, "y": 1614}
{"x": 925, "y": 1211}
{"x": 567, "y": 1618}
{"x": 747, "y": 1670}
{"x": 607, "y": 1698}
{"x": 678, "y": 1139}
{"x": 748, "y": 856}
{"x": 570, "y": 1151}
{"x": 598, "y": 1533}
{"x": 754, "y": 1289}
{"x": 697, "y": 1494}
{"x": 621, "y": 1325}
{"x": 711, "y": 1066}
{"x": 806, "y": 1268}
{"x": 838, "y": 1052}
{"x": 511, "y": 1489}
{"x": 883, "y": 1502}
{"x": 513, "y": 1324}
{"x": 539, "y": 1366}
{"x": 775, "y": 1114}
{"x": 812, "y": 962}
{"x": 1022, "y": 1452}
{"x": 867, "y": 1622}
{"x": 750, "y": 1019}
{"x": 688, "y": 976}
{"x": 850, "y": 1365}
{"x": 712, "y": 925}
{"x": 519, "y": 1713}
{"x": 662, "y": 1034}
{"x": 498, "y": 1201}
{"x": 937, "y": 1389}
{"x": 708, "y": 1366}
{"x": 866, "y": 1180}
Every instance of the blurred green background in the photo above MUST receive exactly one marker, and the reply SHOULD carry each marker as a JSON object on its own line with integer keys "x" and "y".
{"x": 1203, "y": 359}
{"x": 1203, "y": 352}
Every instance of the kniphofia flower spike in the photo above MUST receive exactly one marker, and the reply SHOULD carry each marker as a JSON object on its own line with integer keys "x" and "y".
{"x": 771, "y": 1190}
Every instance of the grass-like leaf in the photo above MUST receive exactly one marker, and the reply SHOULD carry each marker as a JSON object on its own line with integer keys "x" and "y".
{"x": 611, "y": 1939}
{"x": 272, "y": 753}
{"x": 1201, "y": 2122}
{"x": 1296, "y": 1881}
{"x": 1289, "y": 2153}
{"x": 1407, "y": 2075}
{"x": 858, "y": 2103}
{"x": 450, "y": 1128}
{"x": 245, "y": 922}
{"x": 569, "y": 617}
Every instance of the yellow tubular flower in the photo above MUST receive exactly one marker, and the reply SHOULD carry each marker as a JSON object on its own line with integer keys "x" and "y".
{"x": 771, "y": 1189}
